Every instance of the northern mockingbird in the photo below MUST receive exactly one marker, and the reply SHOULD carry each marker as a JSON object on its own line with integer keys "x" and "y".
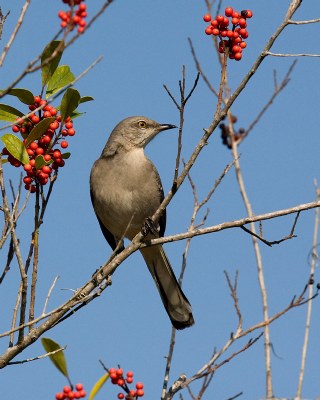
{"x": 125, "y": 190}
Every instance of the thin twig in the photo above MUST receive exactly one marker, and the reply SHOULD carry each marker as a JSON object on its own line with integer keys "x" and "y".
{"x": 49, "y": 294}
{"x": 271, "y": 243}
{"x": 232, "y": 224}
{"x": 38, "y": 357}
{"x": 277, "y": 90}
{"x": 15, "y": 31}
{"x": 269, "y": 53}
{"x": 310, "y": 294}
{"x": 3, "y": 18}
{"x": 310, "y": 21}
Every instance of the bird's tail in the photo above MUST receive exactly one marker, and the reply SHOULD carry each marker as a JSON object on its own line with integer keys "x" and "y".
{"x": 173, "y": 298}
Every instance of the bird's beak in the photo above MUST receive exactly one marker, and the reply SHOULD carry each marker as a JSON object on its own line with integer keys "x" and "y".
{"x": 165, "y": 127}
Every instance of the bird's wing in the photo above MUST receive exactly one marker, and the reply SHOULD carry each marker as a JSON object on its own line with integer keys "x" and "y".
{"x": 106, "y": 233}
{"x": 163, "y": 218}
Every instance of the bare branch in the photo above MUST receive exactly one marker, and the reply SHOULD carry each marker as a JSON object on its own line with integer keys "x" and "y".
{"x": 269, "y": 53}
{"x": 15, "y": 31}
{"x": 233, "y": 224}
{"x": 38, "y": 357}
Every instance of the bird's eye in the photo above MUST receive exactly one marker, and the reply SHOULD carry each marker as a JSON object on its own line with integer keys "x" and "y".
{"x": 142, "y": 124}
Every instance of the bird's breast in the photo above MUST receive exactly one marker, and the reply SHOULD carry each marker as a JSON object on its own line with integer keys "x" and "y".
{"x": 127, "y": 190}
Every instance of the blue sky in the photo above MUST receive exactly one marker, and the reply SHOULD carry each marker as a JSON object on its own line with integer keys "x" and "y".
{"x": 144, "y": 45}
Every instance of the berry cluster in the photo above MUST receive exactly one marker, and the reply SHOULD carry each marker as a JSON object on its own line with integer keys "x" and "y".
{"x": 43, "y": 157}
{"x": 74, "y": 17}
{"x": 117, "y": 378}
{"x": 225, "y": 133}
{"x": 233, "y": 44}
{"x": 68, "y": 393}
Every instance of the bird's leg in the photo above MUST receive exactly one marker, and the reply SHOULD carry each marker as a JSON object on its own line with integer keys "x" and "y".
{"x": 149, "y": 227}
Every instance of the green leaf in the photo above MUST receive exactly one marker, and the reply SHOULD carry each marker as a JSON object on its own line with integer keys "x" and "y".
{"x": 40, "y": 161}
{"x": 65, "y": 156}
{"x": 97, "y": 386}
{"x": 69, "y": 103}
{"x": 76, "y": 114}
{"x": 58, "y": 359}
{"x": 61, "y": 77}
{"x": 48, "y": 68}
{"x": 39, "y": 130}
{"x": 24, "y": 95}
{"x": 8, "y": 113}
{"x": 84, "y": 99}
{"x": 15, "y": 147}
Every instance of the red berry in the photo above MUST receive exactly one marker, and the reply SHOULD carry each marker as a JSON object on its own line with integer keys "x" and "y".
{"x": 228, "y": 11}
{"x": 83, "y": 393}
{"x": 129, "y": 380}
{"x": 246, "y": 13}
{"x": 129, "y": 374}
{"x": 243, "y": 45}
{"x": 82, "y": 23}
{"x": 27, "y": 180}
{"x": 79, "y": 386}
{"x": 68, "y": 125}
{"x": 238, "y": 56}
{"x": 20, "y": 121}
{"x": 64, "y": 144}
{"x": 33, "y": 146}
{"x": 215, "y": 32}
{"x": 39, "y": 150}
{"x": 243, "y": 33}
{"x": 59, "y": 396}
{"x": 235, "y": 21}
{"x": 208, "y": 30}
{"x": 140, "y": 392}
{"x": 242, "y": 22}
{"x": 71, "y": 132}
{"x": 235, "y": 14}
{"x": 56, "y": 153}
{"x": 53, "y": 111}
{"x": 66, "y": 389}
{"x": 54, "y": 125}
{"x": 225, "y": 22}
{"x": 207, "y": 18}
{"x": 47, "y": 114}
{"x": 32, "y": 162}
{"x": 15, "y": 128}
{"x": 47, "y": 170}
{"x": 139, "y": 385}
{"x": 120, "y": 396}
{"x": 132, "y": 393}
{"x": 236, "y": 49}
{"x": 47, "y": 157}
{"x": 230, "y": 33}
{"x": 37, "y": 99}
{"x": 121, "y": 382}
{"x": 220, "y": 18}
{"x": 27, "y": 167}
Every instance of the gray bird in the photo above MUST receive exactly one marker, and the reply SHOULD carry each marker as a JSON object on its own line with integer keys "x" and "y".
{"x": 125, "y": 191}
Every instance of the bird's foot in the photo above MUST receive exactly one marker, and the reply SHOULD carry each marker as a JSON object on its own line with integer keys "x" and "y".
{"x": 149, "y": 227}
